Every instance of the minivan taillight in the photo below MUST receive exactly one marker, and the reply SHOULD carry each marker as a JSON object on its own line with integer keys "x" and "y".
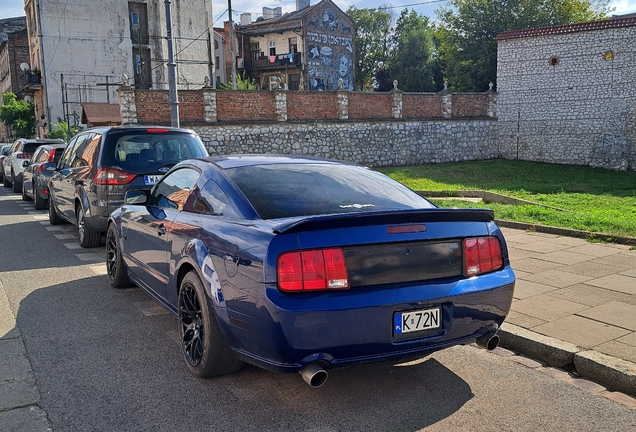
{"x": 482, "y": 255}
{"x": 312, "y": 270}
{"x": 113, "y": 176}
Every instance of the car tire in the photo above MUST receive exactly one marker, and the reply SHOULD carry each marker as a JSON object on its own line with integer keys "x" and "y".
{"x": 207, "y": 353}
{"x": 87, "y": 237}
{"x": 25, "y": 197}
{"x": 16, "y": 187}
{"x": 115, "y": 266}
{"x": 38, "y": 202}
{"x": 54, "y": 218}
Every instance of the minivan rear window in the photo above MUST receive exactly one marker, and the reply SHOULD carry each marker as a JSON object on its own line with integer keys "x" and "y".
{"x": 141, "y": 152}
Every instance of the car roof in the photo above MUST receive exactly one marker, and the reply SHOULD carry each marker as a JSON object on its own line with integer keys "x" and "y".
{"x": 104, "y": 129}
{"x": 235, "y": 161}
{"x": 42, "y": 140}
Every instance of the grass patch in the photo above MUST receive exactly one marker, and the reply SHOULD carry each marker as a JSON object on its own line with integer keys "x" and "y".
{"x": 598, "y": 200}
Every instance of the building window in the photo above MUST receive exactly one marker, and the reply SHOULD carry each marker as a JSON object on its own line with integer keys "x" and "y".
{"x": 554, "y": 60}
{"x": 608, "y": 56}
{"x": 293, "y": 45}
{"x": 216, "y": 44}
{"x": 294, "y": 82}
{"x": 272, "y": 48}
{"x": 273, "y": 82}
{"x": 134, "y": 20}
{"x": 217, "y": 62}
{"x": 255, "y": 50}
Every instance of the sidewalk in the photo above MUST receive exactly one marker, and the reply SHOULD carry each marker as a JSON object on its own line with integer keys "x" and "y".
{"x": 574, "y": 306}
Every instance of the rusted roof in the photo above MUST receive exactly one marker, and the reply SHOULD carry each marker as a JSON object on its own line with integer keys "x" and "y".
{"x": 100, "y": 114}
{"x": 629, "y": 21}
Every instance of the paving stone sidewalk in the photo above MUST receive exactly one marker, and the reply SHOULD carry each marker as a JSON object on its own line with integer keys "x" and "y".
{"x": 575, "y": 296}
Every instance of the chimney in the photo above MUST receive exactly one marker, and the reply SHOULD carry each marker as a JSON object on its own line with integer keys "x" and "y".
{"x": 246, "y": 19}
{"x": 278, "y": 12}
{"x": 302, "y": 4}
{"x": 268, "y": 13}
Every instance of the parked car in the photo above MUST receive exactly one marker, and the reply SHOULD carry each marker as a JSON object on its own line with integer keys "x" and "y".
{"x": 101, "y": 164}
{"x": 4, "y": 152}
{"x": 21, "y": 150}
{"x": 301, "y": 264}
{"x": 37, "y": 173}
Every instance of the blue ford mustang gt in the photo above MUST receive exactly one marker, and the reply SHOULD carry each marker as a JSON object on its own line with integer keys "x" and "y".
{"x": 298, "y": 264}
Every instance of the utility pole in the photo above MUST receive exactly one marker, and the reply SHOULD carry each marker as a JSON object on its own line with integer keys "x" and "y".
{"x": 172, "y": 80}
{"x": 232, "y": 52}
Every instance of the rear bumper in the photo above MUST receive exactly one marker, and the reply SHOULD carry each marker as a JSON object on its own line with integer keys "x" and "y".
{"x": 356, "y": 326}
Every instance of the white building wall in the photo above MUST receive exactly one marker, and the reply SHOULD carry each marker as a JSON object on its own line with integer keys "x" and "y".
{"x": 84, "y": 42}
{"x": 580, "y": 111}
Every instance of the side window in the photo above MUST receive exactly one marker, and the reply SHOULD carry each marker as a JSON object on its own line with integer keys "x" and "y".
{"x": 213, "y": 201}
{"x": 77, "y": 159}
{"x": 90, "y": 150}
{"x": 43, "y": 155}
{"x": 174, "y": 189}
{"x": 69, "y": 153}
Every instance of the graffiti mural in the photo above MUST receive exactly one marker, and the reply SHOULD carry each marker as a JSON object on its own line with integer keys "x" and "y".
{"x": 330, "y": 49}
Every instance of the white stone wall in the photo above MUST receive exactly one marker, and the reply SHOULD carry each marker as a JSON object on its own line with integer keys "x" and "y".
{"x": 368, "y": 143}
{"x": 580, "y": 111}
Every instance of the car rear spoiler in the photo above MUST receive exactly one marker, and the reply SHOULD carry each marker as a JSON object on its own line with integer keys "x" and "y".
{"x": 348, "y": 220}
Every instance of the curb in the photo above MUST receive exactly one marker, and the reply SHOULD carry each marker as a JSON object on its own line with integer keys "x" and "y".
{"x": 615, "y": 373}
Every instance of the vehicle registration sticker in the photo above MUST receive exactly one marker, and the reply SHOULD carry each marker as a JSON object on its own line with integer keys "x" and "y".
{"x": 416, "y": 320}
{"x": 151, "y": 179}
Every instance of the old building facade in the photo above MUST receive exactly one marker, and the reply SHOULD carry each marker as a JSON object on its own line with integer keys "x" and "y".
{"x": 310, "y": 49}
{"x": 14, "y": 53}
{"x": 84, "y": 48}
{"x": 567, "y": 94}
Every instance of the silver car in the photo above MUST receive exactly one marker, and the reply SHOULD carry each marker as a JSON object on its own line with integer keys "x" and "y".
{"x": 20, "y": 151}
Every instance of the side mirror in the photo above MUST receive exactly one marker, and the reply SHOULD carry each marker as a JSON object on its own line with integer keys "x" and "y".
{"x": 25, "y": 164}
{"x": 136, "y": 197}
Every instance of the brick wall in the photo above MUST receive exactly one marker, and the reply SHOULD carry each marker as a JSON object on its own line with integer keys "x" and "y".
{"x": 311, "y": 106}
{"x": 470, "y": 105}
{"x": 419, "y": 105}
{"x": 153, "y": 107}
{"x": 245, "y": 106}
{"x": 190, "y": 106}
{"x": 370, "y": 105}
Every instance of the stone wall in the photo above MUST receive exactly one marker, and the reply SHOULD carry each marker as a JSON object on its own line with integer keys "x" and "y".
{"x": 568, "y": 96}
{"x": 377, "y": 143}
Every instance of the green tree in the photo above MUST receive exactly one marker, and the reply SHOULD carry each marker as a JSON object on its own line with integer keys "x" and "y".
{"x": 373, "y": 29}
{"x": 466, "y": 37}
{"x": 63, "y": 130}
{"x": 412, "y": 59}
{"x": 19, "y": 115}
{"x": 242, "y": 83}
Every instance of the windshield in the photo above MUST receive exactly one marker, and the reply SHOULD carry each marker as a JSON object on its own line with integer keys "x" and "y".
{"x": 289, "y": 190}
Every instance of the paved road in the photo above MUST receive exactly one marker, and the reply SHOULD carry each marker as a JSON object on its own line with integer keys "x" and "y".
{"x": 77, "y": 355}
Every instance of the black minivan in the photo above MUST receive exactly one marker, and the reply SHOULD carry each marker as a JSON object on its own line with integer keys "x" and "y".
{"x": 100, "y": 164}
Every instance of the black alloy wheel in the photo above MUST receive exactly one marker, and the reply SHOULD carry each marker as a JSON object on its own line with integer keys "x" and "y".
{"x": 25, "y": 197}
{"x": 54, "y": 218}
{"x": 115, "y": 266}
{"x": 206, "y": 351}
{"x": 16, "y": 186}
{"x": 38, "y": 202}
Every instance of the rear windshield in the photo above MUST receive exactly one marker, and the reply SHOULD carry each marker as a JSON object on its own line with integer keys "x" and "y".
{"x": 31, "y": 147}
{"x": 286, "y": 190}
{"x": 140, "y": 152}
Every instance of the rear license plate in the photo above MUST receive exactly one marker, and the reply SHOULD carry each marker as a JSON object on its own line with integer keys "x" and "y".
{"x": 151, "y": 179}
{"x": 416, "y": 320}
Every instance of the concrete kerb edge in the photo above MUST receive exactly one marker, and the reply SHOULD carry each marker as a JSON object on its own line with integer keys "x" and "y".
{"x": 615, "y": 373}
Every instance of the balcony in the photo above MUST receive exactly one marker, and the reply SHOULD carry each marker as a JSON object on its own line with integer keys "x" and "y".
{"x": 30, "y": 81}
{"x": 271, "y": 62}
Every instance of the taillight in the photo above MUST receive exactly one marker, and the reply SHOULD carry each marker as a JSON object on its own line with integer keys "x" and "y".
{"x": 52, "y": 156}
{"x": 158, "y": 130}
{"x": 482, "y": 255}
{"x": 312, "y": 270}
{"x": 23, "y": 156}
{"x": 112, "y": 176}
{"x": 41, "y": 168}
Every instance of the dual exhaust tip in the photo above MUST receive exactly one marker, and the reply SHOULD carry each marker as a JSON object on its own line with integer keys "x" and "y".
{"x": 315, "y": 375}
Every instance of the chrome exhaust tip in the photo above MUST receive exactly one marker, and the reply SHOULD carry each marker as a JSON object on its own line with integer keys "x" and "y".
{"x": 489, "y": 341}
{"x": 314, "y": 374}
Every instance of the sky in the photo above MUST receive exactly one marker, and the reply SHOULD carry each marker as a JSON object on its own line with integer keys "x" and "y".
{"x": 15, "y": 8}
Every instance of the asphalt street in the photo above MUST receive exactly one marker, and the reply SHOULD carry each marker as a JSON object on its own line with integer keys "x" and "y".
{"x": 78, "y": 355}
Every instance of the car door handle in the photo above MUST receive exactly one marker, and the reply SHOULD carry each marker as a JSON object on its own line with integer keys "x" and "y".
{"x": 161, "y": 230}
